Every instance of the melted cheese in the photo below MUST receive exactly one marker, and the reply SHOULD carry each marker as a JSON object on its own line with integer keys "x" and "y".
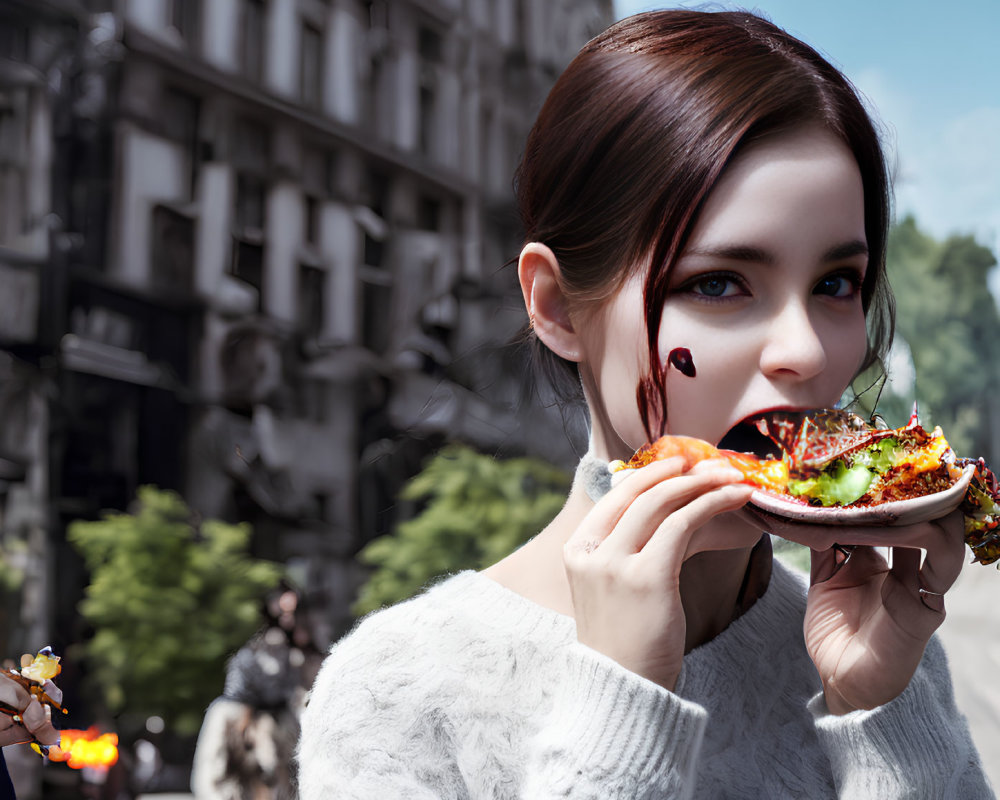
{"x": 928, "y": 457}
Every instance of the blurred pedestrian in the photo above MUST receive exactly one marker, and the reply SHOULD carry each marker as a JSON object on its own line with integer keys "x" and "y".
{"x": 247, "y": 742}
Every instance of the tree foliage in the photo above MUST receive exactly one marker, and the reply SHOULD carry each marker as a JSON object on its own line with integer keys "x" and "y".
{"x": 476, "y": 510}
{"x": 12, "y": 558}
{"x": 948, "y": 317}
{"x": 170, "y": 598}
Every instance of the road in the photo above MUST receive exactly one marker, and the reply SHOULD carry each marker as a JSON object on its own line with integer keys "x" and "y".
{"x": 971, "y": 636}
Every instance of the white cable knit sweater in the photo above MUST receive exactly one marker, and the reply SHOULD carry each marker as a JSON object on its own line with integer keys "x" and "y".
{"x": 471, "y": 691}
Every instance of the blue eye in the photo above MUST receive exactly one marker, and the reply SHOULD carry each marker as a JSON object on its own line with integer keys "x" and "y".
{"x": 838, "y": 286}
{"x": 718, "y": 285}
{"x": 713, "y": 287}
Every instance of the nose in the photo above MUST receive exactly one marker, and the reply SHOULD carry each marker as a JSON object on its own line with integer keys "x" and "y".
{"x": 793, "y": 346}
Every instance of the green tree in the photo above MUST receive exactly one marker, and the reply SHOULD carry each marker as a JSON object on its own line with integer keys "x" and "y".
{"x": 948, "y": 317}
{"x": 170, "y": 598}
{"x": 12, "y": 557}
{"x": 476, "y": 510}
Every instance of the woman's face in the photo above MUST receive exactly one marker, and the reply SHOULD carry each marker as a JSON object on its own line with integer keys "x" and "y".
{"x": 766, "y": 297}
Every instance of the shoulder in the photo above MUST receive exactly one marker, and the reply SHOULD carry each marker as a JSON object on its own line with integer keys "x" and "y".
{"x": 437, "y": 619}
{"x": 411, "y": 681}
{"x": 409, "y": 636}
{"x": 461, "y": 630}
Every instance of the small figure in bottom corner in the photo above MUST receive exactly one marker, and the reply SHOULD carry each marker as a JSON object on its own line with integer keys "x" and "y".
{"x": 27, "y": 697}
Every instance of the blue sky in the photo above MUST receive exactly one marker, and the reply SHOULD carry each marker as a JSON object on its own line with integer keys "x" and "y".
{"x": 932, "y": 73}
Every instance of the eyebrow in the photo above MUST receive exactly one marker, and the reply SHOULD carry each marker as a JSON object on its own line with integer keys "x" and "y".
{"x": 756, "y": 255}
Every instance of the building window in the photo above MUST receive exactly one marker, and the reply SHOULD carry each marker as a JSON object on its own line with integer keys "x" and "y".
{"x": 373, "y": 252}
{"x": 172, "y": 245}
{"x": 375, "y": 193}
{"x": 375, "y": 275}
{"x": 311, "y": 66}
{"x": 427, "y": 133}
{"x": 180, "y": 123}
{"x": 430, "y": 45}
{"x": 13, "y": 165}
{"x": 316, "y": 179}
{"x": 251, "y": 144}
{"x": 14, "y": 41}
{"x": 313, "y": 209}
{"x": 428, "y": 214}
{"x": 312, "y": 297}
{"x": 184, "y": 18}
{"x": 251, "y": 202}
{"x": 376, "y": 301}
{"x": 251, "y": 161}
{"x": 430, "y": 49}
{"x": 180, "y": 116}
{"x": 252, "y": 42}
{"x": 247, "y": 264}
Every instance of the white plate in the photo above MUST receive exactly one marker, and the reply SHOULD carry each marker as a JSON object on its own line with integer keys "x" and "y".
{"x": 899, "y": 512}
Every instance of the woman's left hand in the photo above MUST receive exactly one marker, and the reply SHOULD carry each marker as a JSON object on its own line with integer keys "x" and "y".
{"x": 867, "y": 623}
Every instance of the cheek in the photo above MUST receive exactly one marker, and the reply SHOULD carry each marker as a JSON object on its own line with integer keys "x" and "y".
{"x": 623, "y": 371}
{"x": 850, "y": 345}
{"x": 723, "y": 360}
{"x": 702, "y": 405}
{"x": 614, "y": 342}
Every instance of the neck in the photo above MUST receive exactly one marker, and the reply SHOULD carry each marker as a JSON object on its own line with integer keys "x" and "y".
{"x": 710, "y": 583}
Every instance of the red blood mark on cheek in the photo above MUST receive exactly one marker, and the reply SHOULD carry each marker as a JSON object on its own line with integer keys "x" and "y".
{"x": 680, "y": 358}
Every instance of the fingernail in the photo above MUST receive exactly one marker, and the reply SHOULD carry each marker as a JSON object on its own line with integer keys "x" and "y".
{"x": 842, "y": 554}
{"x": 827, "y": 563}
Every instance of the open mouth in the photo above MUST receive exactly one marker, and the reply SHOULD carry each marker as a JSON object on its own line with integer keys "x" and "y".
{"x": 746, "y": 437}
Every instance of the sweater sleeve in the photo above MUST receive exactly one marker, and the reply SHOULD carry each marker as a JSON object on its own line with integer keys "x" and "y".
{"x": 917, "y": 746}
{"x": 377, "y": 725}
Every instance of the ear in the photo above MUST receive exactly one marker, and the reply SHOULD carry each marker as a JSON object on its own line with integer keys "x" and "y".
{"x": 547, "y": 305}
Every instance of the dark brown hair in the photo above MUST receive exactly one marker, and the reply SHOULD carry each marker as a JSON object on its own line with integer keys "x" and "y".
{"x": 636, "y": 133}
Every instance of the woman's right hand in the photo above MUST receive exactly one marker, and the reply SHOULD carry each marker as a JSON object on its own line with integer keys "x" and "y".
{"x": 35, "y": 719}
{"x": 624, "y": 561}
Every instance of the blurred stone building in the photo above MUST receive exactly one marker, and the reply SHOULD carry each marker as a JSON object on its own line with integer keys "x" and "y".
{"x": 252, "y": 250}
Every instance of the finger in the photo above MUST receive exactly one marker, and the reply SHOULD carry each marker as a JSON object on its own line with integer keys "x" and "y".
{"x": 36, "y": 718}
{"x": 53, "y": 691}
{"x": 606, "y": 513}
{"x": 906, "y": 568}
{"x": 923, "y": 535}
{"x": 841, "y": 567}
{"x": 13, "y": 733}
{"x": 643, "y": 518}
{"x": 907, "y": 603}
{"x": 712, "y": 464}
{"x": 12, "y": 694}
{"x": 945, "y": 554}
{"x": 824, "y": 564}
{"x": 674, "y": 537}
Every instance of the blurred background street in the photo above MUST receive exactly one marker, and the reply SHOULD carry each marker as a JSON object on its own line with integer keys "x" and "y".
{"x": 255, "y": 281}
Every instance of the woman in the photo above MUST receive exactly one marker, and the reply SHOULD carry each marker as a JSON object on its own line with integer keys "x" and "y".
{"x": 699, "y": 184}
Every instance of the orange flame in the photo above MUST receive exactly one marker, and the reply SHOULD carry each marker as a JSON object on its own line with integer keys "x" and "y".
{"x": 87, "y": 748}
